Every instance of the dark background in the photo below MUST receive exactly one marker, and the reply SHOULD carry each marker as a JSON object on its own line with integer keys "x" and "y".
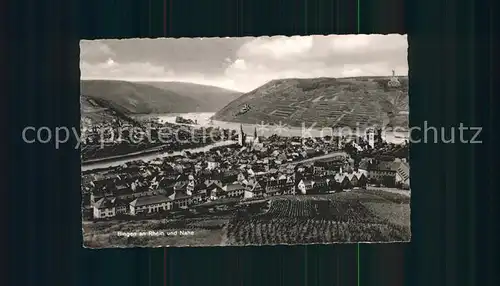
{"x": 454, "y": 186}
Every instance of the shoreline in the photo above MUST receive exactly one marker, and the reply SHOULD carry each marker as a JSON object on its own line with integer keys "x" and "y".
{"x": 133, "y": 154}
{"x": 147, "y": 155}
{"x": 205, "y": 120}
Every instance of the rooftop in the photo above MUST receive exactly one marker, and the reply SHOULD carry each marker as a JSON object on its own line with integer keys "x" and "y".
{"x": 233, "y": 187}
{"x": 145, "y": 201}
{"x": 104, "y": 203}
{"x": 178, "y": 195}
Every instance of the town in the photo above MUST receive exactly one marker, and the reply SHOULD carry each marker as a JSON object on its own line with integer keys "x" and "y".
{"x": 251, "y": 169}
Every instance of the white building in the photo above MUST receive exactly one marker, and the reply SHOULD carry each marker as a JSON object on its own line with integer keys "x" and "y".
{"x": 248, "y": 194}
{"x": 104, "y": 208}
{"x": 304, "y": 186}
{"x": 152, "y": 204}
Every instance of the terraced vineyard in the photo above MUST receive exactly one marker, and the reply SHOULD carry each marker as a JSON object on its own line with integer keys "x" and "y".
{"x": 324, "y": 101}
{"x": 313, "y": 221}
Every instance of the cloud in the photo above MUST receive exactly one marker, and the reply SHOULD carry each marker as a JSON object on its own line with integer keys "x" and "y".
{"x": 318, "y": 56}
{"x": 95, "y": 51}
{"x": 113, "y": 70}
{"x": 244, "y": 63}
{"x": 276, "y": 48}
{"x": 350, "y": 43}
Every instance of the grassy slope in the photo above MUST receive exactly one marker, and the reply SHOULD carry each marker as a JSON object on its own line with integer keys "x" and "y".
{"x": 145, "y": 98}
{"x": 324, "y": 101}
{"x": 136, "y": 98}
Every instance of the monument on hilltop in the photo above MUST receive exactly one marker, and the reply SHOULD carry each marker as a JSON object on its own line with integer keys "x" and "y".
{"x": 393, "y": 82}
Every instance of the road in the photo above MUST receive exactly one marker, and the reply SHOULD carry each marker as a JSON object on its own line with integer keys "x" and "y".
{"x": 392, "y": 190}
{"x": 327, "y": 156}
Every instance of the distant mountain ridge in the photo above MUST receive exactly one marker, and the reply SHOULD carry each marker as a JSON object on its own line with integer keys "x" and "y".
{"x": 211, "y": 98}
{"x": 157, "y": 97}
{"x": 326, "y": 102}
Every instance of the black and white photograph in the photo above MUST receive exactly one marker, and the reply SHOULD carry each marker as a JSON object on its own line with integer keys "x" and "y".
{"x": 245, "y": 141}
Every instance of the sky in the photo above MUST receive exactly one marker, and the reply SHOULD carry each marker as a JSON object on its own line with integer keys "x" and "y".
{"x": 243, "y": 64}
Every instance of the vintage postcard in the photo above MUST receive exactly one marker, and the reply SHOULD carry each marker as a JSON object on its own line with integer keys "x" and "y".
{"x": 245, "y": 141}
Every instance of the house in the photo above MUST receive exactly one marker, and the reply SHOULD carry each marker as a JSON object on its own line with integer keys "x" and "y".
{"x": 180, "y": 186}
{"x": 403, "y": 175}
{"x": 98, "y": 194}
{"x": 305, "y": 186}
{"x": 212, "y": 163}
{"x": 250, "y": 173}
{"x": 339, "y": 160}
{"x": 380, "y": 171}
{"x": 331, "y": 184}
{"x": 190, "y": 187}
{"x": 216, "y": 192}
{"x": 104, "y": 208}
{"x": 343, "y": 181}
{"x": 241, "y": 177}
{"x": 234, "y": 190}
{"x": 359, "y": 179}
{"x": 318, "y": 170}
{"x": 200, "y": 192}
{"x": 320, "y": 186}
{"x": 290, "y": 180}
{"x": 121, "y": 206}
{"x": 181, "y": 199}
{"x": 256, "y": 188}
{"x": 274, "y": 188}
{"x": 127, "y": 194}
{"x": 353, "y": 179}
{"x": 211, "y": 182}
{"x": 248, "y": 194}
{"x": 151, "y": 204}
{"x": 282, "y": 179}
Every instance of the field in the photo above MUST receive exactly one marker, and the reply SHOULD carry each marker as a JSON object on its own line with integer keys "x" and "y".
{"x": 321, "y": 221}
{"x": 358, "y": 216}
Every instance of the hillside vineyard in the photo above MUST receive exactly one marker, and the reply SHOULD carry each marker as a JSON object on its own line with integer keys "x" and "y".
{"x": 325, "y": 102}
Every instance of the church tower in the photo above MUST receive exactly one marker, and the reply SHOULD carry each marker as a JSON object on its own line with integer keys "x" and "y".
{"x": 241, "y": 137}
{"x": 255, "y": 136}
{"x": 371, "y": 138}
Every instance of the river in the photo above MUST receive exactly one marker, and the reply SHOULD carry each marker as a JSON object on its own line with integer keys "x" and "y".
{"x": 203, "y": 119}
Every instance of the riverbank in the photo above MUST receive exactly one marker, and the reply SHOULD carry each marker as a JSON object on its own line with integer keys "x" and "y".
{"x": 148, "y": 156}
{"x": 117, "y": 157}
